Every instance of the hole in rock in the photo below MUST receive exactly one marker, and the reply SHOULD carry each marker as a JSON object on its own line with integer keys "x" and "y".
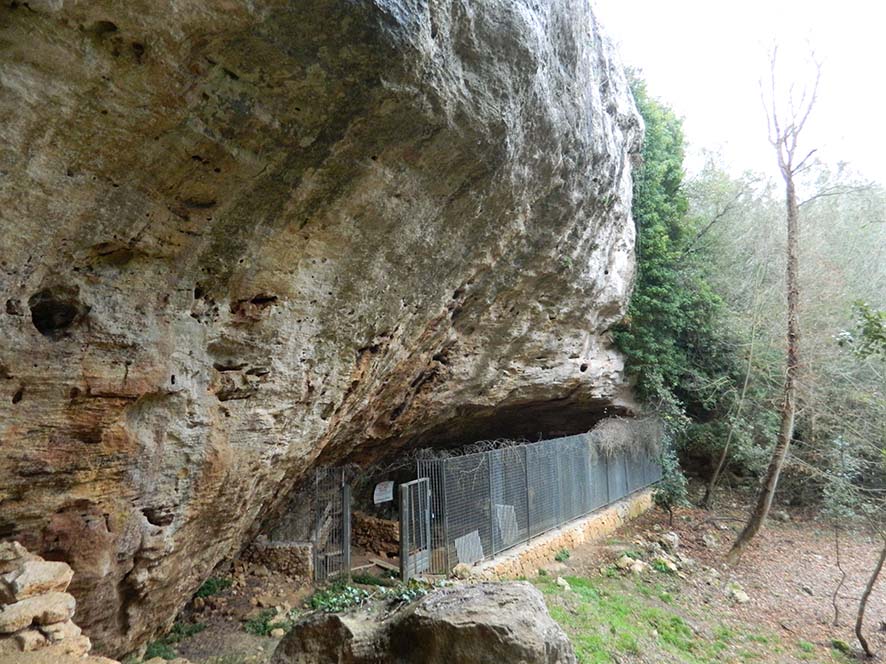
{"x": 14, "y": 308}
{"x": 262, "y": 300}
{"x": 102, "y": 28}
{"x": 583, "y": 368}
{"x": 158, "y": 516}
{"x": 19, "y": 394}
{"x": 55, "y": 310}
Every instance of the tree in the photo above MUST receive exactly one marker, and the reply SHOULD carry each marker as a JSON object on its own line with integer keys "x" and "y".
{"x": 784, "y": 133}
{"x": 871, "y": 343}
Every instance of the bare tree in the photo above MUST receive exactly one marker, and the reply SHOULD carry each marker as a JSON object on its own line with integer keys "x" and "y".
{"x": 863, "y": 603}
{"x": 785, "y": 127}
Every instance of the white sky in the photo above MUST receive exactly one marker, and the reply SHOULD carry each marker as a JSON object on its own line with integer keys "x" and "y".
{"x": 705, "y": 60}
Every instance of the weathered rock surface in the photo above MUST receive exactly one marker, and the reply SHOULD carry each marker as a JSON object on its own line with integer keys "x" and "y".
{"x": 482, "y": 623}
{"x": 241, "y": 238}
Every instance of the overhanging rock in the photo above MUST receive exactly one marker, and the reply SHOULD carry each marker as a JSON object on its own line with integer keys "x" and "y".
{"x": 238, "y": 236}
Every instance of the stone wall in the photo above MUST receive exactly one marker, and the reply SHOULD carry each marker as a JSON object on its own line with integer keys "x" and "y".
{"x": 292, "y": 559}
{"x": 525, "y": 560}
{"x": 378, "y": 536}
{"x": 35, "y": 611}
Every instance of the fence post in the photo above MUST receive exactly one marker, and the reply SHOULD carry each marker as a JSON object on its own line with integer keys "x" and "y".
{"x": 404, "y": 534}
{"x": 526, "y": 481}
{"x": 489, "y": 457}
{"x": 441, "y": 475}
{"x": 346, "y": 529}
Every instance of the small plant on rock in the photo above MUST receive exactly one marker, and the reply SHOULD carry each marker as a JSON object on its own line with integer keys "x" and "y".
{"x": 562, "y": 555}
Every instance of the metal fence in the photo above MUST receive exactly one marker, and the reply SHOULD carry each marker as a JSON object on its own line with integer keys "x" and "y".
{"x": 331, "y": 516}
{"x": 484, "y": 503}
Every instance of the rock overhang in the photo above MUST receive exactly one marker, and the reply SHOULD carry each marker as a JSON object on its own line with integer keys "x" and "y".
{"x": 239, "y": 237}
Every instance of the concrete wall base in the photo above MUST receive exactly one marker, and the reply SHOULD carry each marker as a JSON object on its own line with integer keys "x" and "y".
{"x": 526, "y": 559}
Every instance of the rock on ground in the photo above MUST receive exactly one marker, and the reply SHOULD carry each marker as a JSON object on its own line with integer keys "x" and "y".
{"x": 239, "y": 236}
{"x": 479, "y": 623}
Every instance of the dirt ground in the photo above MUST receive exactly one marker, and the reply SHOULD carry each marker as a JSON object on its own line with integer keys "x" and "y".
{"x": 789, "y": 574}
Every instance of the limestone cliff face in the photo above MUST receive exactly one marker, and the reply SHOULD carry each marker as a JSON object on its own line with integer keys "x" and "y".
{"x": 241, "y": 238}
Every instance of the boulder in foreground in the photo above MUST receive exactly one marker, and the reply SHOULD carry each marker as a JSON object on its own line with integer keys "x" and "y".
{"x": 480, "y": 623}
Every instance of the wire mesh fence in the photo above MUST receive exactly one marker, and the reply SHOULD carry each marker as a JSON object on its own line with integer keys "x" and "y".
{"x": 484, "y": 503}
{"x": 415, "y": 528}
{"x": 331, "y": 515}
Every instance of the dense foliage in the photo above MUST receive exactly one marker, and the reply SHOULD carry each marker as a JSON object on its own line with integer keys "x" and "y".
{"x": 704, "y": 335}
{"x": 676, "y": 351}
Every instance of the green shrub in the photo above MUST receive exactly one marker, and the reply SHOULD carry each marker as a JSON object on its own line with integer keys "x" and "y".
{"x": 268, "y": 620}
{"x": 213, "y": 586}
{"x": 367, "y": 579}
{"x": 163, "y": 647}
{"x": 159, "y": 649}
{"x": 408, "y": 592}
{"x": 182, "y": 630}
{"x": 337, "y": 598}
{"x": 562, "y": 555}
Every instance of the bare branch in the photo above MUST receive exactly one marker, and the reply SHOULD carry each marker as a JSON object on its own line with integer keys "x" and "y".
{"x": 836, "y": 190}
{"x": 799, "y": 166}
{"x": 720, "y": 214}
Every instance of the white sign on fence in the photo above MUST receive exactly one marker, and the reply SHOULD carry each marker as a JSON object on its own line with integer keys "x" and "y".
{"x": 384, "y": 492}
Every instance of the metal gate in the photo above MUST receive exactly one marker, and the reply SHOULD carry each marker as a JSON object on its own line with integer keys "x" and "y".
{"x": 415, "y": 528}
{"x": 331, "y": 535}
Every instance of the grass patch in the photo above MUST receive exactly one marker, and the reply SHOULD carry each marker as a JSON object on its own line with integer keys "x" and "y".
{"x": 613, "y": 619}
{"x": 562, "y": 555}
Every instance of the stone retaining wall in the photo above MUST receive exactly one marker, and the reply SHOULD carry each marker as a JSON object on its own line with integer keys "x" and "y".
{"x": 379, "y": 536}
{"x": 35, "y": 610}
{"x": 526, "y": 559}
{"x": 294, "y": 559}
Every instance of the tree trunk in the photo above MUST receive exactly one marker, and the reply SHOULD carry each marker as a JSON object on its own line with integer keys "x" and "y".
{"x": 835, "y": 597}
{"x": 863, "y": 604}
{"x": 789, "y": 403}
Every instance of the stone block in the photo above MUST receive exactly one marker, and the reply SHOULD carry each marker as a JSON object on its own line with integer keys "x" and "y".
{"x": 34, "y": 577}
{"x": 45, "y": 609}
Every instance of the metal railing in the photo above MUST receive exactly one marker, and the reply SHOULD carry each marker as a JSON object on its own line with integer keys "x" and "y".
{"x": 484, "y": 503}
